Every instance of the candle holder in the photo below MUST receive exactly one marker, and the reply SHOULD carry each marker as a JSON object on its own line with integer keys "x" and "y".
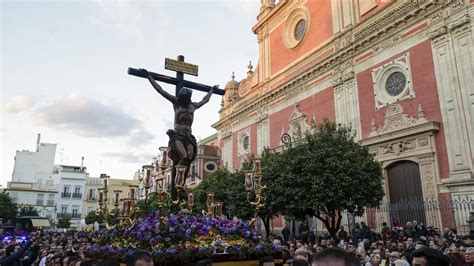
{"x": 253, "y": 185}
{"x": 147, "y": 176}
{"x": 130, "y": 211}
{"x": 213, "y": 208}
{"x": 180, "y": 180}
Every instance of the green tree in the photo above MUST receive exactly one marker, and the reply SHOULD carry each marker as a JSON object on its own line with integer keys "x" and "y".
{"x": 230, "y": 189}
{"x": 272, "y": 178}
{"x": 328, "y": 172}
{"x": 64, "y": 221}
{"x": 27, "y": 210}
{"x": 219, "y": 183}
{"x": 93, "y": 217}
{"x": 9, "y": 208}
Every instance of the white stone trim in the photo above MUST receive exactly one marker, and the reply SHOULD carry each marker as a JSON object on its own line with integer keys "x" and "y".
{"x": 241, "y": 151}
{"x": 450, "y": 93}
{"x": 297, "y": 123}
{"x": 406, "y": 138}
{"x": 301, "y": 13}
{"x": 227, "y": 153}
{"x": 346, "y": 102}
{"x": 208, "y": 163}
{"x": 379, "y": 78}
{"x": 263, "y": 136}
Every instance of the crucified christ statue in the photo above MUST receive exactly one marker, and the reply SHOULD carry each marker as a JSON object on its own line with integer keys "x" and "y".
{"x": 182, "y": 144}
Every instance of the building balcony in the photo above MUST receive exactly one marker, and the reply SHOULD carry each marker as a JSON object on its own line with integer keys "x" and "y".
{"x": 66, "y": 195}
{"x": 72, "y": 215}
{"x": 39, "y": 202}
{"x": 77, "y": 195}
{"x": 50, "y": 202}
{"x": 91, "y": 198}
{"x": 62, "y": 214}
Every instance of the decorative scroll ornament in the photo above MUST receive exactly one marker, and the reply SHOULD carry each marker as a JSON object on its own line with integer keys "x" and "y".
{"x": 396, "y": 119}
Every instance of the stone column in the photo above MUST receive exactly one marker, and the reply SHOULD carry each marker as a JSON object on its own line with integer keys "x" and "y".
{"x": 450, "y": 98}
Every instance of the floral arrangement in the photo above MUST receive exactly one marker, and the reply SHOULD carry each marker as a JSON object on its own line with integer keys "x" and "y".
{"x": 182, "y": 238}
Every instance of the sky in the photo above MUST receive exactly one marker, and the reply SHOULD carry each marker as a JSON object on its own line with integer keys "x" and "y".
{"x": 63, "y": 74}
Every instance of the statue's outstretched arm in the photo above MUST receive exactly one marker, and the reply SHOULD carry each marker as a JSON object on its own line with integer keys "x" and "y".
{"x": 158, "y": 88}
{"x": 206, "y": 98}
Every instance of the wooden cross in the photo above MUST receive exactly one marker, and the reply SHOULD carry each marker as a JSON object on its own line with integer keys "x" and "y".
{"x": 181, "y": 68}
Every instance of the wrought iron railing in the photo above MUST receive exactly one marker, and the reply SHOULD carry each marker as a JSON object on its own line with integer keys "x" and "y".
{"x": 439, "y": 214}
{"x": 77, "y": 195}
{"x": 62, "y": 214}
{"x": 65, "y": 194}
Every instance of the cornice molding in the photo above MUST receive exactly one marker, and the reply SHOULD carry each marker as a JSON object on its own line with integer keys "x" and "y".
{"x": 357, "y": 41}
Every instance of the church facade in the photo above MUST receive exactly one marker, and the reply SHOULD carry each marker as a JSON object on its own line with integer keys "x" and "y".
{"x": 400, "y": 73}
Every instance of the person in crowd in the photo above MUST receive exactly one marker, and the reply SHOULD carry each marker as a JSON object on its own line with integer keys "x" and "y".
{"x": 286, "y": 233}
{"x": 334, "y": 257}
{"x": 429, "y": 257}
{"x": 342, "y": 235}
{"x": 355, "y": 233}
{"x": 140, "y": 258}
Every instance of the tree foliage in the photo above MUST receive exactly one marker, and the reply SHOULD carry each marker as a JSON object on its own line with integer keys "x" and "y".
{"x": 218, "y": 183}
{"x": 9, "y": 208}
{"x": 27, "y": 210}
{"x": 64, "y": 221}
{"x": 230, "y": 189}
{"x": 328, "y": 172}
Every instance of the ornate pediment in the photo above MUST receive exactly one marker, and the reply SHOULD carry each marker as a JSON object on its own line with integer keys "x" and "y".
{"x": 297, "y": 123}
{"x": 396, "y": 119}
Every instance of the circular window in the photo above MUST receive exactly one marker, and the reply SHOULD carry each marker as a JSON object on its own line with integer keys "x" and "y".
{"x": 246, "y": 143}
{"x": 210, "y": 167}
{"x": 300, "y": 29}
{"x": 296, "y": 28}
{"x": 396, "y": 83}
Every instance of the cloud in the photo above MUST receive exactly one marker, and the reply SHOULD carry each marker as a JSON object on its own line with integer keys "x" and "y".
{"x": 129, "y": 157}
{"x": 18, "y": 104}
{"x": 91, "y": 118}
{"x": 247, "y": 8}
{"x": 140, "y": 137}
{"x": 119, "y": 15}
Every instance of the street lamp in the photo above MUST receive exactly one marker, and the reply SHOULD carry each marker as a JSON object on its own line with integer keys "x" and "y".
{"x": 253, "y": 185}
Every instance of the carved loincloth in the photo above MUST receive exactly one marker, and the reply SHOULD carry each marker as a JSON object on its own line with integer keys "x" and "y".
{"x": 186, "y": 139}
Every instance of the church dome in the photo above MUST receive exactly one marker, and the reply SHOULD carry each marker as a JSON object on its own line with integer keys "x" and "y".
{"x": 231, "y": 90}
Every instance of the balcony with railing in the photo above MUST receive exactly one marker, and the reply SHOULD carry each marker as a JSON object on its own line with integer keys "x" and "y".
{"x": 65, "y": 194}
{"x": 76, "y": 215}
{"x": 62, "y": 214}
{"x": 39, "y": 202}
{"x": 50, "y": 202}
{"x": 91, "y": 198}
{"x": 77, "y": 195}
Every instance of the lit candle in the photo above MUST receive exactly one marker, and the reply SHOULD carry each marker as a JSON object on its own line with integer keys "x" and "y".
{"x": 190, "y": 199}
{"x": 124, "y": 206}
{"x": 101, "y": 196}
{"x": 180, "y": 175}
{"x": 116, "y": 198}
{"x": 219, "y": 208}
{"x": 132, "y": 193}
{"x": 210, "y": 198}
{"x": 257, "y": 167}
{"x": 248, "y": 180}
{"x": 105, "y": 196}
{"x": 147, "y": 176}
{"x": 164, "y": 157}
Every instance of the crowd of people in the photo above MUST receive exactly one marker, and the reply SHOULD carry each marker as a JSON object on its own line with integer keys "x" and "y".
{"x": 396, "y": 245}
{"x": 411, "y": 244}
